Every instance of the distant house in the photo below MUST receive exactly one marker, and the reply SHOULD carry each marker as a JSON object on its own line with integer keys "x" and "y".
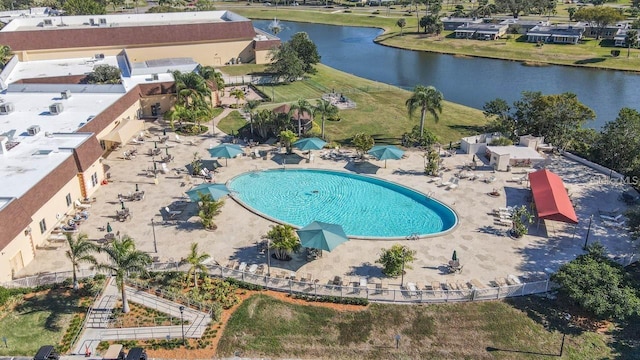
{"x": 306, "y": 119}
{"x": 556, "y": 34}
{"x": 522, "y": 26}
{"x": 481, "y": 31}
{"x": 608, "y": 32}
{"x": 621, "y": 37}
{"x": 452, "y": 23}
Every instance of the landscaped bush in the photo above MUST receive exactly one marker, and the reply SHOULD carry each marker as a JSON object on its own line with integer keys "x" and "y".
{"x": 5, "y": 294}
{"x": 332, "y": 299}
{"x": 244, "y": 285}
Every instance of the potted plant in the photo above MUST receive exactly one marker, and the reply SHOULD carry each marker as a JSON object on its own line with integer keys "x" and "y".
{"x": 283, "y": 241}
{"x": 521, "y": 219}
{"x": 209, "y": 208}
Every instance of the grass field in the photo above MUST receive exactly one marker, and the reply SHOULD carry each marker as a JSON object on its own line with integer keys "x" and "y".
{"x": 380, "y": 111}
{"x": 588, "y": 54}
{"x": 38, "y": 320}
{"x": 265, "y": 327}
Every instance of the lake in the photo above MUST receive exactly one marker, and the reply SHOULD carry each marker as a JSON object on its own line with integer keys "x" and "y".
{"x": 468, "y": 81}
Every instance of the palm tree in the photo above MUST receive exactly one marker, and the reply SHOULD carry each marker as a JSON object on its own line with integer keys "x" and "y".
{"x": 210, "y": 74}
{"x": 191, "y": 88}
{"x": 249, "y": 106}
{"x": 80, "y": 251}
{"x": 123, "y": 260}
{"x": 238, "y": 94}
{"x": 632, "y": 40}
{"x": 401, "y": 23}
{"x": 302, "y": 106}
{"x": 283, "y": 241}
{"x": 325, "y": 109}
{"x": 209, "y": 208}
{"x": 196, "y": 261}
{"x": 428, "y": 99}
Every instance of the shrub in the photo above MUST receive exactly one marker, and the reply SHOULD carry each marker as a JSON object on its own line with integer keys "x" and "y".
{"x": 5, "y": 294}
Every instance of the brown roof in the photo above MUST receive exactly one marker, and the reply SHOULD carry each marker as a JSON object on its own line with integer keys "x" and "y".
{"x": 87, "y": 153}
{"x": 167, "y": 87}
{"x": 63, "y": 38}
{"x": 285, "y": 108}
{"x": 48, "y": 186}
{"x": 265, "y": 44}
{"x": 14, "y": 220}
{"x": 67, "y": 79}
{"x": 106, "y": 117}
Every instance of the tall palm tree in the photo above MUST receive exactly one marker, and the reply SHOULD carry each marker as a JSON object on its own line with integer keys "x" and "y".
{"x": 210, "y": 74}
{"x": 80, "y": 251}
{"x": 249, "y": 106}
{"x": 428, "y": 99}
{"x": 191, "y": 88}
{"x": 325, "y": 109}
{"x": 238, "y": 94}
{"x": 123, "y": 260}
{"x": 301, "y": 107}
{"x": 196, "y": 261}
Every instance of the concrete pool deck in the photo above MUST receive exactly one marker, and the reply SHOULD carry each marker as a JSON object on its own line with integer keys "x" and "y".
{"x": 484, "y": 255}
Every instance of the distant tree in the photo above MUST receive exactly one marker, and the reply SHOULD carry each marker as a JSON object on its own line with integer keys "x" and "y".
{"x": 599, "y": 285}
{"x": 326, "y": 110}
{"x": 80, "y": 251}
{"x": 431, "y": 24}
{"x": 598, "y": 16}
{"x": 83, "y": 7}
{"x": 306, "y": 50}
{"x": 116, "y": 3}
{"x": 283, "y": 240}
{"x": 499, "y": 113}
{"x": 631, "y": 39}
{"x": 287, "y": 138}
{"x": 286, "y": 64}
{"x": 515, "y": 7}
{"x": 124, "y": 260}
{"x": 196, "y": 261}
{"x": 571, "y": 10}
{"x": 301, "y": 107}
{"x": 429, "y": 100}
{"x": 104, "y": 74}
{"x": 363, "y": 143}
{"x": 458, "y": 11}
{"x": 618, "y": 147}
{"x": 394, "y": 258}
{"x": 401, "y": 23}
{"x": 205, "y": 5}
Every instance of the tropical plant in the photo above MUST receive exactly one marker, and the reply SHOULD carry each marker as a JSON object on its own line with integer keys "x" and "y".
{"x": 209, "y": 208}
{"x": 427, "y": 99}
{"x": 249, "y": 107}
{"x": 396, "y": 258}
{"x": 196, "y": 164}
{"x": 416, "y": 138}
{"x": 238, "y": 94}
{"x": 363, "y": 143}
{"x": 299, "y": 108}
{"x": 432, "y": 162}
{"x": 196, "y": 263}
{"x": 401, "y": 23}
{"x": 123, "y": 260}
{"x": 287, "y": 138}
{"x": 283, "y": 241}
{"x": 210, "y": 74}
{"x": 326, "y": 110}
{"x": 263, "y": 122}
{"x": 191, "y": 89}
{"x": 521, "y": 219}
{"x": 80, "y": 251}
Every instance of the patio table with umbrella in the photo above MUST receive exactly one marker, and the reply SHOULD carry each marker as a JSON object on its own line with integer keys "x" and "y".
{"x": 226, "y": 151}
{"x": 385, "y": 152}
{"x": 216, "y": 191}
{"x": 322, "y": 236}
{"x": 309, "y": 144}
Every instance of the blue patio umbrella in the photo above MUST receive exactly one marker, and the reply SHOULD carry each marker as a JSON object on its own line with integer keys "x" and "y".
{"x": 313, "y": 143}
{"x": 385, "y": 152}
{"x": 226, "y": 151}
{"x": 322, "y": 236}
{"x": 455, "y": 256}
{"x": 216, "y": 191}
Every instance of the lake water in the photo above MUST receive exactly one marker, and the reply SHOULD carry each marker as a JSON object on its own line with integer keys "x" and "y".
{"x": 468, "y": 81}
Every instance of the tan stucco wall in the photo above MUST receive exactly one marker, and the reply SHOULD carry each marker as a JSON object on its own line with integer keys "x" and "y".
{"x": 263, "y": 57}
{"x": 95, "y": 168}
{"x": 214, "y": 54}
{"x": 19, "y": 247}
{"x": 55, "y": 54}
{"x": 166, "y": 102}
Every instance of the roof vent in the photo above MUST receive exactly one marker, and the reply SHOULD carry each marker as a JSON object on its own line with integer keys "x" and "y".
{"x": 92, "y": 22}
{"x": 47, "y": 22}
{"x": 55, "y": 108}
{"x": 102, "y": 22}
{"x": 33, "y": 130}
{"x": 65, "y": 94}
{"x": 6, "y": 108}
{"x": 155, "y": 76}
{"x": 99, "y": 56}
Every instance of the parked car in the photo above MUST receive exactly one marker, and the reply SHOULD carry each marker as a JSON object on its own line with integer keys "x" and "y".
{"x": 46, "y": 352}
{"x": 137, "y": 353}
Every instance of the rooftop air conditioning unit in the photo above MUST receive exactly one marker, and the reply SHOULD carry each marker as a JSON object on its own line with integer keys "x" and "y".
{"x": 102, "y": 22}
{"x": 55, "y": 108}
{"x": 92, "y": 22}
{"x": 65, "y": 94}
{"x": 155, "y": 76}
{"x": 47, "y": 22}
{"x": 99, "y": 56}
{"x": 33, "y": 129}
{"x": 6, "y": 108}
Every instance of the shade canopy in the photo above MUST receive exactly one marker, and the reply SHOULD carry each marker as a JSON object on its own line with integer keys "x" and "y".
{"x": 124, "y": 131}
{"x": 216, "y": 191}
{"x": 386, "y": 152}
{"x": 551, "y": 198}
{"x": 226, "y": 151}
{"x": 322, "y": 236}
{"x": 313, "y": 143}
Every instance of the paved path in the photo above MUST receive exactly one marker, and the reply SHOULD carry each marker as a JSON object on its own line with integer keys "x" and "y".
{"x": 97, "y": 327}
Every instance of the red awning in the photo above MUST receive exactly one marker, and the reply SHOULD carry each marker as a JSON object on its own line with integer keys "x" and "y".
{"x": 551, "y": 198}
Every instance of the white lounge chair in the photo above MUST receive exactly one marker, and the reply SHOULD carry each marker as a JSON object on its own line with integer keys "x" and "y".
{"x": 513, "y": 280}
{"x": 164, "y": 168}
{"x": 615, "y": 218}
{"x": 448, "y": 182}
{"x": 80, "y": 205}
{"x": 172, "y": 213}
{"x": 253, "y": 268}
{"x": 490, "y": 179}
{"x": 412, "y": 289}
{"x": 453, "y": 185}
{"x": 178, "y": 140}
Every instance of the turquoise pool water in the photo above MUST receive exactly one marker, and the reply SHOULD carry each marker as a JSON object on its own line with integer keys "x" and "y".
{"x": 363, "y": 205}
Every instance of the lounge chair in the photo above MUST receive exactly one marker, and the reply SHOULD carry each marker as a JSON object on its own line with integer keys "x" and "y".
{"x": 172, "y": 213}
{"x": 80, "y": 205}
{"x": 513, "y": 280}
{"x": 477, "y": 284}
{"x": 447, "y": 183}
{"x": 453, "y": 185}
{"x": 178, "y": 140}
{"x": 615, "y": 218}
{"x": 243, "y": 266}
{"x": 412, "y": 289}
{"x": 501, "y": 281}
{"x": 490, "y": 179}
{"x": 164, "y": 168}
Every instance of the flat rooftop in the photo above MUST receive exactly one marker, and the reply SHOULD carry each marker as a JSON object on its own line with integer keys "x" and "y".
{"x": 516, "y": 152}
{"x": 122, "y": 20}
{"x": 54, "y": 68}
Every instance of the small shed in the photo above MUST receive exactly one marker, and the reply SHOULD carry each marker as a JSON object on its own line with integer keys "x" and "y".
{"x": 503, "y": 157}
{"x": 477, "y": 144}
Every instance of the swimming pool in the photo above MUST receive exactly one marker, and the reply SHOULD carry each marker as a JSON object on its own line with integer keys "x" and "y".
{"x": 365, "y": 206}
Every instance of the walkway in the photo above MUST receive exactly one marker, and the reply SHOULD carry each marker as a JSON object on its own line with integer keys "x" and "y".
{"x": 97, "y": 326}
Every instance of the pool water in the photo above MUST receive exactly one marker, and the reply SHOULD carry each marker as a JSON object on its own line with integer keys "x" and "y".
{"x": 365, "y": 206}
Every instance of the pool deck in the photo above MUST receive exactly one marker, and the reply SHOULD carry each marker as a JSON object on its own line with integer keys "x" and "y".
{"x": 484, "y": 255}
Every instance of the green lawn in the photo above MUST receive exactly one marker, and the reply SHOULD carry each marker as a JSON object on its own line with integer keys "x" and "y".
{"x": 265, "y": 327}
{"x": 231, "y": 123}
{"x": 36, "y": 321}
{"x": 380, "y": 111}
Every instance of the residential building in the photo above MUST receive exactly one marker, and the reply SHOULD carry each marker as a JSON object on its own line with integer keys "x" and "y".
{"x": 452, "y": 23}
{"x": 556, "y": 34}
{"x": 608, "y": 32}
{"x": 520, "y": 26}
{"x": 481, "y": 31}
